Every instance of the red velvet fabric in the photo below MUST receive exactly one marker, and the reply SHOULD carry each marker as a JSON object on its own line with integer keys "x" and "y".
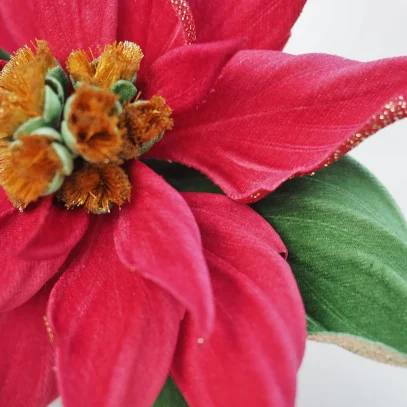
{"x": 115, "y": 332}
{"x": 198, "y": 66}
{"x": 153, "y": 25}
{"x": 252, "y": 357}
{"x": 249, "y": 120}
{"x": 265, "y": 23}
{"x": 156, "y": 236}
{"x": 27, "y": 377}
{"x": 271, "y": 116}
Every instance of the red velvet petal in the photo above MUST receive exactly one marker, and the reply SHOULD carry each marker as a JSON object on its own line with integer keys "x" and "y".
{"x": 21, "y": 279}
{"x": 54, "y": 235}
{"x": 34, "y": 244}
{"x": 272, "y": 116}
{"x": 115, "y": 332}
{"x": 43, "y": 232}
{"x": 266, "y": 23}
{"x": 27, "y": 356}
{"x": 17, "y": 24}
{"x": 254, "y": 352}
{"x": 76, "y": 24}
{"x": 152, "y": 24}
{"x": 156, "y": 236}
{"x": 185, "y": 75}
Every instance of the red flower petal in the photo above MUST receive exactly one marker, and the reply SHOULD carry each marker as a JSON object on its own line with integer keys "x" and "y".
{"x": 65, "y": 24}
{"x": 193, "y": 71}
{"x": 35, "y": 245}
{"x": 17, "y": 24}
{"x": 49, "y": 236}
{"x": 156, "y": 236}
{"x": 27, "y": 356}
{"x": 152, "y": 24}
{"x": 266, "y": 23}
{"x": 115, "y": 332}
{"x": 272, "y": 116}
{"x": 254, "y": 352}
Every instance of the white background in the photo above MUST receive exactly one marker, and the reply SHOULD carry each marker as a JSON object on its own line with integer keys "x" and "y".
{"x": 362, "y": 30}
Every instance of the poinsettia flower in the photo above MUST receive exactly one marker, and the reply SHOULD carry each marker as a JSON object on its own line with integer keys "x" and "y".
{"x": 130, "y": 296}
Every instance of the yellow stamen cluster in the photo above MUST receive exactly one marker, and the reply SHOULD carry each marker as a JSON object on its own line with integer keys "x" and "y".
{"x": 28, "y": 167}
{"x": 93, "y": 120}
{"x": 145, "y": 121}
{"x": 22, "y": 89}
{"x": 117, "y": 61}
{"x": 100, "y": 127}
{"x": 96, "y": 188}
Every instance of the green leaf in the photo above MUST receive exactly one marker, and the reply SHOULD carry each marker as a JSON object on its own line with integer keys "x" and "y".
{"x": 347, "y": 243}
{"x": 170, "y": 396}
{"x": 183, "y": 178}
{"x": 4, "y": 55}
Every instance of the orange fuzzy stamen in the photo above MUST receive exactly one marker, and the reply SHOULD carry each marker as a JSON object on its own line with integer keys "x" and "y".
{"x": 27, "y": 167}
{"x": 96, "y": 188}
{"x": 93, "y": 121}
{"x": 81, "y": 68}
{"x": 117, "y": 61}
{"x": 145, "y": 121}
{"x": 22, "y": 89}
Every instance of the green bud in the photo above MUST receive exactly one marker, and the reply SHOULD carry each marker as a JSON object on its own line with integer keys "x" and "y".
{"x": 29, "y": 126}
{"x": 59, "y": 74}
{"x": 52, "y": 107}
{"x": 125, "y": 89}
{"x": 66, "y": 158}
{"x": 56, "y": 86}
{"x": 55, "y": 184}
{"x": 4, "y": 55}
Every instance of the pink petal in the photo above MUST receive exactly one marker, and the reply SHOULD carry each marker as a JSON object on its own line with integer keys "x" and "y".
{"x": 48, "y": 237}
{"x": 7, "y": 42}
{"x": 272, "y": 116}
{"x": 152, "y": 24}
{"x": 18, "y": 23}
{"x": 65, "y": 24}
{"x": 115, "y": 332}
{"x": 27, "y": 356}
{"x": 193, "y": 71}
{"x": 266, "y": 23}
{"x": 35, "y": 245}
{"x": 255, "y": 350}
{"x": 156, "y": 235}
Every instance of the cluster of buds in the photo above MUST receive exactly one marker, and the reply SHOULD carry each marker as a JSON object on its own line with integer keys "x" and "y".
{"x": 74, "y": 146}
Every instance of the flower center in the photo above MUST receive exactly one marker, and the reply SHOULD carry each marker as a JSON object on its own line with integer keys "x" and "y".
{"x": 75, "y": 146}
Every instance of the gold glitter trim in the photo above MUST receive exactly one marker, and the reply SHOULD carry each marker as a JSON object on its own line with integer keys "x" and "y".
{"x": 369, "y": 350}
{"x": 187, "y": 20}
{"x": 48, "y": 328}
{"x": 393, "y": 111}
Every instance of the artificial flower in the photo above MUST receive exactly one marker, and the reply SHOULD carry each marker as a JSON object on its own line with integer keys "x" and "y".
{"x": 193, "y": 285}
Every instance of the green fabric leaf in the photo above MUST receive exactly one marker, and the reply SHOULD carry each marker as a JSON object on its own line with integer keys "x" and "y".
{"x": 170, "y": 396}
{"x": 183, "y": 178}
{"x": 4, "y": 55}
{"x": 347, "y": 243}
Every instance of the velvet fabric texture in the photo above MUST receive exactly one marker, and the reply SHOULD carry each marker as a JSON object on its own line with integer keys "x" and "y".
{"x": 194, "y": 285}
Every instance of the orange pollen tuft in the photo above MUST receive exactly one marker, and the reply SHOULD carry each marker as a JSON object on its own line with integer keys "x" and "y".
{"x": 22, "y": 89}
{"x": 27, "y": 167}
{"x": 117, "y": 61}
{"x": 81, "y": 68}
{"x": 96, "y": 188}
{"x": 146, "y": 120}
{"x": 93, "y": 122}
